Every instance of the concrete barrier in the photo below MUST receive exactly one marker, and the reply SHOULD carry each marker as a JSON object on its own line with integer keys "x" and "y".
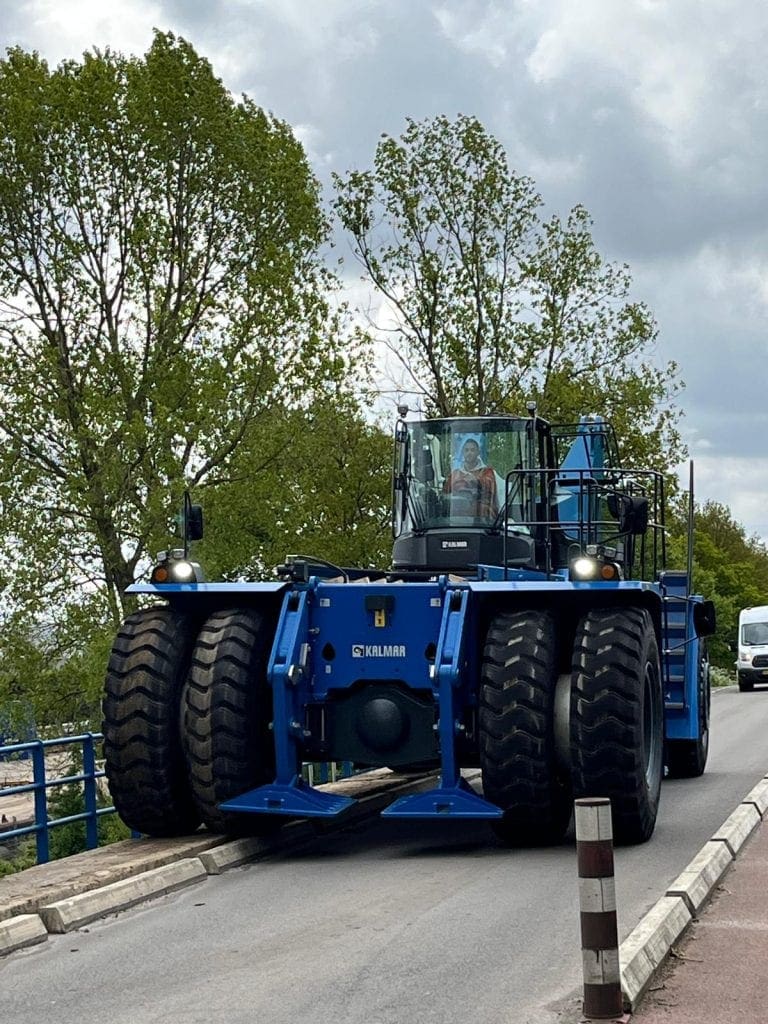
{"x": 21, "y": 931}
{"x": 68, "y": 914}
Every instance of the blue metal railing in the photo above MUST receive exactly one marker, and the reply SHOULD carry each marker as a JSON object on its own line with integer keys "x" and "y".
{"x": 40, "y": 785}
{"x": 314, "y": 773}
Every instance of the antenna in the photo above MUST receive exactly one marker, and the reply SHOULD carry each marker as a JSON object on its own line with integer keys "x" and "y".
{"x": 691, "y": 516}
{"x": 185, "y": 520}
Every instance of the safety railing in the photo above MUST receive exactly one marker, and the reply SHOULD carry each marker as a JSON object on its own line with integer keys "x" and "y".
{"x": 84, "y": 749}
{"x": 41, "y": 784}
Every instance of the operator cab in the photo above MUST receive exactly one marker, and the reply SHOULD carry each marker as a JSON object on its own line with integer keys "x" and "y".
{"x": 518, "y": 493}
{"x": 466, "y": 491}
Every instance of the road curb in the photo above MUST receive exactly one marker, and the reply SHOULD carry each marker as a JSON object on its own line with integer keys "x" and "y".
{"x": 738, "y": 827}
{"x": 759, "y": 797}
{"x": 27, "y": 891}
{"x": 648, "y": 946}
{"x": 60, "y": 909}
{"x": 66, "y": 915}
{"x": 21, "y": 931}
{"x": 236, "y": 852}
{"x": 696, "y": 882}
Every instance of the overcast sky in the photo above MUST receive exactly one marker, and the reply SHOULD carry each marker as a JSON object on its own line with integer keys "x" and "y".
{"x": 651, "y": 113}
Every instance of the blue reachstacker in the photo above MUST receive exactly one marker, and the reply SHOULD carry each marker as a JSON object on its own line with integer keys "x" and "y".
{"x": 528, "y": 626}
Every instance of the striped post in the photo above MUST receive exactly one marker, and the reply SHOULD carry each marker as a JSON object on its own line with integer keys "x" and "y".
{"x": 597, "y": 905}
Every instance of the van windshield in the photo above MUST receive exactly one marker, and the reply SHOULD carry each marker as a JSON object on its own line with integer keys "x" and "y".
{"x": 754, "y": 633}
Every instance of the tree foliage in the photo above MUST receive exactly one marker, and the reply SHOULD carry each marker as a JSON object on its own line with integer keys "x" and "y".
{"x": 492, "y": 307}
{"x": 161, "y": 292}
{"x": 321, "y": 486}
{"x": 730, "y": 568}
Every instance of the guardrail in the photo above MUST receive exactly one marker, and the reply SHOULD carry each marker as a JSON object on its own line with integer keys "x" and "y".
{"x": 36, "y": 749}
{"x": 89, "y": 776}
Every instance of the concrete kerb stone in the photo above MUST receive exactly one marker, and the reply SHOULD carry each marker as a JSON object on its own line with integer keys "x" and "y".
{"x": 21, "y": 931}
{"x": 66, "y": 915}
{"x": 25, "y": 892}
{"x": 759, "y": 797}
{"x": 240, "y": 851}
{"x": 738, "y": 827}
{"x": 647, "y": 947}
{"x": 696, "y": 883}
{"x": 644, "y": 951}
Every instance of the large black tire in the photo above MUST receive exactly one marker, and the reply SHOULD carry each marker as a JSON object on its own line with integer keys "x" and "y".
{"x": 227, "y": 708}
{"x": 144, "y": 763}
{"x": 617, "y": 718}
{"x": 516, "y": 729}
{"x": 687, "y": 759}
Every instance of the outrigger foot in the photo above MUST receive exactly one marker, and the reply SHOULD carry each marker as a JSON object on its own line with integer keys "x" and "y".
{"x": 458, "y": 801}
{"x": 296, "y": 799}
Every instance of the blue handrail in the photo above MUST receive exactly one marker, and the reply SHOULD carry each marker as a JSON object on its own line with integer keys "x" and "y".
{"x": 40, "y": 785}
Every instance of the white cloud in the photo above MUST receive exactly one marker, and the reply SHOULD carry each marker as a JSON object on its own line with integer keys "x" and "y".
{"x": 670, "y": 61}
{"x": 484, "y": 36}
{"x": 66, "y": 28}
{"x": 737, "y": 483}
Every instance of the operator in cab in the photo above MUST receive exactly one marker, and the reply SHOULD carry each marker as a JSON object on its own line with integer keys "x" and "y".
{"x": 473, "y": 482}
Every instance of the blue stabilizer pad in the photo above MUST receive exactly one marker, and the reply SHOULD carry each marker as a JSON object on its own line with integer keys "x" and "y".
{"x": 459, "y": 801}
{"x": 297, "y": 800}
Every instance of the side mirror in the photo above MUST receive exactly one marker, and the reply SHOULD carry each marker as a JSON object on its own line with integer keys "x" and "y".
{"x": 193, "y": 527}
{"x": 632, "y": 513}
{"x": 400, "y": 478}
{"x": 190, "y": 524}
{"x": 704, "y": 618}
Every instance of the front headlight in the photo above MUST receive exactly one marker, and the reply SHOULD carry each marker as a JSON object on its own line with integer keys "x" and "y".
{"x": 176, "y": 570}
{"x": 586, "y": 568}
{"x": 182, "y": 572}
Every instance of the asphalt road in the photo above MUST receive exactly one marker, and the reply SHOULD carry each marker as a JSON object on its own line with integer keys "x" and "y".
{"x": 386, "y": 923}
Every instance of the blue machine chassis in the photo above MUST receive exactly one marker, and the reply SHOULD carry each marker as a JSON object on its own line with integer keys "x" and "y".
{"x": 352, "y": 619}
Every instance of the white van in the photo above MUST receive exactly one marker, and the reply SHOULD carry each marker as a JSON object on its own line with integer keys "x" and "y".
{"x": 752, "y": 657}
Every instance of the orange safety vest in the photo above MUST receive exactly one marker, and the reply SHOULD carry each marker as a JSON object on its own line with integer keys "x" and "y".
{"x": 479, "y": 486}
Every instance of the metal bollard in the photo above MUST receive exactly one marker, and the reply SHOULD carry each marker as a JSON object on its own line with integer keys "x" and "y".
{"x": 597, "y": 905}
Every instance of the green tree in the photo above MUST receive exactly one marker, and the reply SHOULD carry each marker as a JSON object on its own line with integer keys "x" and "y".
{"x": 589, "y": 347}
{"x": 491, "y": 307}
{"x": 729, "y": 568}
{"x": 52, "y": 669}
{"x": 161, "y": 293}
{"x": 442, "y": 228}
{"x": 321, "y": 485}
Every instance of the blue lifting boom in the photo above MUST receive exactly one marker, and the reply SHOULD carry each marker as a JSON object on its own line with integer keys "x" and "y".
{"x": 528, "y": 626}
